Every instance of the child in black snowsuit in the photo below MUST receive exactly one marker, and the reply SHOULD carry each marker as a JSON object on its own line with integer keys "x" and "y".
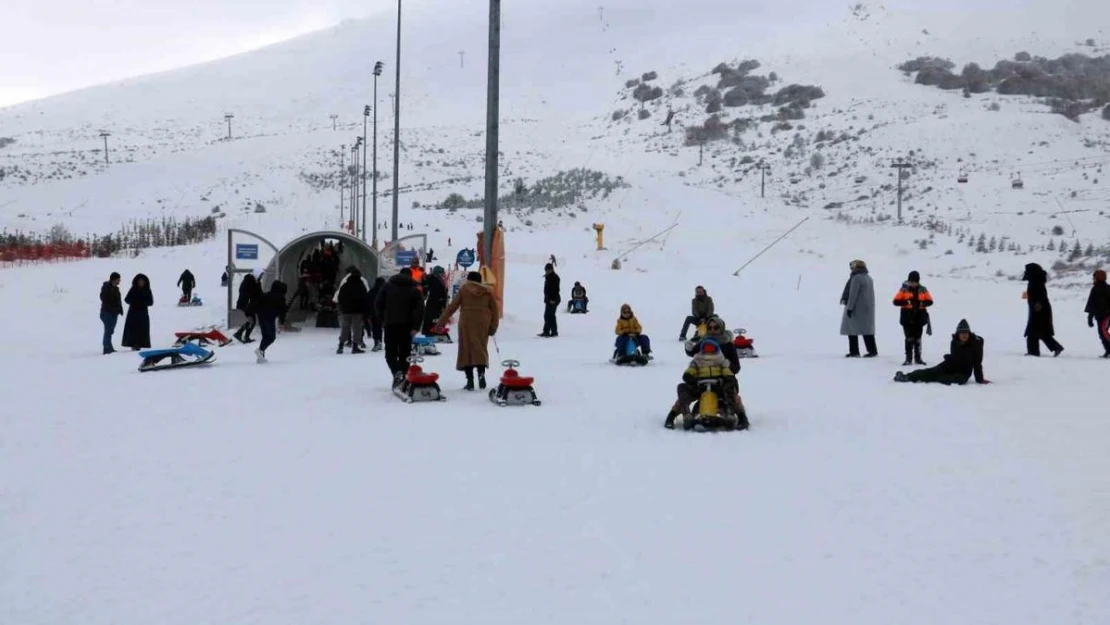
{"x": 1098, "y": 310}
{"x": 965, "y": 359}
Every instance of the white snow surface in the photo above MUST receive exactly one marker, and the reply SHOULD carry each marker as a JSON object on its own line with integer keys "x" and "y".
{"x": 302, "y": 491}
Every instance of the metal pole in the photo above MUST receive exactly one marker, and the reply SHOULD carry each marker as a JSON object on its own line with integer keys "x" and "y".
{"x": 342, "y": 179}
{"x": 365, "y": 118}
{"x": 900, "y": 167}
{"x": 762, "y": 179}
{"x": 396, "y": 127}
{"x": 492, "y": 114}
{"x": 377, "y": 70}
{"x": 105, "y": 136}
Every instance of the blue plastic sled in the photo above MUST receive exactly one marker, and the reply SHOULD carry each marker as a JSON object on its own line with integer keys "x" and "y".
{"x": 424, "y": 346}
{"x": 187, "y": 355}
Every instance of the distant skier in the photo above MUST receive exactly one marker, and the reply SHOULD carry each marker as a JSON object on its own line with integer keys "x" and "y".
{"x": 1039, "y": 327}
{"x": 187, "y": 283}
{"x": 964, "y": 359}
{"x": 914, "y": 300}
{"x": 1098, "y": 309}
{"x": 111, "y": 308}
{"x": 858, "y": 318}
{"x": 670, "y": 118}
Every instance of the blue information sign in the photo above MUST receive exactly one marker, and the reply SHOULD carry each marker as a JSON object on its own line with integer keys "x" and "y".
{"x": 246, "y": 251}
{"x": 405, "y": 257}
{"x": 465, "y": 258}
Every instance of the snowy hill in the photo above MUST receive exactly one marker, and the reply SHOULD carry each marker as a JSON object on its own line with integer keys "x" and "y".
{"x": 302, "y": 491}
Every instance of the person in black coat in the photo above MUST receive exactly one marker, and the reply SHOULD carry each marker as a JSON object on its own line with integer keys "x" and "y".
{"x": 550, "y": 300}
{"x": 1098, "y": 310}
{"x": 187, "y": 282}
{"x": 136, "y": 327}
{"x": 370, "y": 318}
{"x": 351, "y": 301}
{"x": 111, "y": 308}
{"x": 401, "y": 309}
{"x": 1039, "y": 327}
{"x": 250, "y": 295}
{"x": 963, "y": 360}
{"x": 435, "y": 293}
{"x": 270, "y": 310}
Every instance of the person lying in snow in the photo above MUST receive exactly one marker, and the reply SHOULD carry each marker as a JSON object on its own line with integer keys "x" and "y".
{"x": 965, "y": 358}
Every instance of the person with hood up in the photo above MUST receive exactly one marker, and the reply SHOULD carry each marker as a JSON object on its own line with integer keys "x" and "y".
{"x": 271, "y": 309}
{"x": 551, "y": 301}
{"x": 701, "y": 309}
{"x": 858, "y": 318}
{"x": 401, "y": 308}
{"x": 435, "y": 298}
{"x": 136, "y": 327}
{"x": 963, "y": 360}
{"x": 371, "y": 321}
{"x": 629, "y": 329}
{"x": 478, "y": 320}
{"x": 250, "y": 294}
{"x": 350, "y": 299}
{"x": 1039, "y": 327}
{"x": 1098, "y": 309}
{"x": 111, "y": 308}
{"x": 914, "y": 300}
{"x": 187, "y": 283}
{"x": 578, "y": 294}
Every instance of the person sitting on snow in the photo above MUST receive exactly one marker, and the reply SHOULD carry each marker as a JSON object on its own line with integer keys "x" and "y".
{"x": 710, "y": 362}
{"x": 578, "y": 294}
{"x": 629, "y": 329}
{"x": 965, "y": 358}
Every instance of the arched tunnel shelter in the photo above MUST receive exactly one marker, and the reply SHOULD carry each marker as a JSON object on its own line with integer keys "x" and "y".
{"x": 287, "y": 263}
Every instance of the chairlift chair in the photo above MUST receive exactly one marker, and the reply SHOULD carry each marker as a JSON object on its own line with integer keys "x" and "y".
{"x": 1016, "y": 183}
{"x": 962, "y": 178}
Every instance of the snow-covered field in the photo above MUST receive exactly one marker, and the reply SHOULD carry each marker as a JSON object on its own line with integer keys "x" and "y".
{"x": 303, "y": 491}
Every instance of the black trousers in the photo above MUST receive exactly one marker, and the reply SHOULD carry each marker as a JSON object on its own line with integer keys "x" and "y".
{"x": 939, "y": 374}
{"x": 1033, "y": 343}
{"x": 868, "y": 342}
{"x": 550, "y": 326}
{"x": 268, "y": 325}
{"x": 373, "y": 327}
{"x": 398, "y": 346}
{"x": 913, "y": 332}
{"x": 1098, "y": 328}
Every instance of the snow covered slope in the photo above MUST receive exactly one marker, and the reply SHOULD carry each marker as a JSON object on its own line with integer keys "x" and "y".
{"x": 302, "y": 491}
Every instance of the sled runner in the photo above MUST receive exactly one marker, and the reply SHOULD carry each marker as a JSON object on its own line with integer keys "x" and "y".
{"x": 418, "y": 385}
{"x": 514, "y": 389}
{"x": 424, "y": 346}
{"x": 186, "y": 355}
{"x": 744, "y": 345}
{"x": 709, "y": 412}
{"x": 201, "y": 338}
{"x": 632, "y": 355}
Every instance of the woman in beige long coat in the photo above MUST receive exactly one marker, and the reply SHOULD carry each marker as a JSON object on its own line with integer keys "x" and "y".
{"x": 477, "y": 322}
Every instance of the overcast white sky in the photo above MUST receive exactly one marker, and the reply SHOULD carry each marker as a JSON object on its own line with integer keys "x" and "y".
{"x": 53, "y": 46}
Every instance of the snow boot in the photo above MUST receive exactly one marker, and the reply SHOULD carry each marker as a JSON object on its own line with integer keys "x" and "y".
{"x": 356, "y": 349}
{"x": 482, "y": 377}
{"x": 669, "y": 423}
{"x": 259, "y": 356}
{"x": 917, "y": 353}
{"x": 1059, "y": 350}
{"x": 469, "y": 371}
{"x": 909, "y": 353}
{"x": 398, "y": 378}
{"x": 339, "y": 350}
{"x": 900, "y": 377}
{"x": 377, "y": 346}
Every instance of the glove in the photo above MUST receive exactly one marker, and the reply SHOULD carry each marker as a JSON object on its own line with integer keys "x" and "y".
{"x": 1090, "y": 321}
{"x": 849, "y": 314}
{"x": 929, "y": 329}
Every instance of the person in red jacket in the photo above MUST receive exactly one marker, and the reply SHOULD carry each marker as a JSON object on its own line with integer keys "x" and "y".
{"x": 914, "y": 300}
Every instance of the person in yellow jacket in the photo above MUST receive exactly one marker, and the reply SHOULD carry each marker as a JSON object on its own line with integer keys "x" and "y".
{"x": 629, "y": 329}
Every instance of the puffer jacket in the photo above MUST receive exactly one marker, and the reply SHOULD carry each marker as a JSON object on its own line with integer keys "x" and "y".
{"x": 628, "y": 326}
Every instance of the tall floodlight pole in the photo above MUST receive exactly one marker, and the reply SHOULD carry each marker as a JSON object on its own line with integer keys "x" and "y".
{"x": 901, "y": 167}
{"x": 492, "y": 113}
{"x": 229, "y": 117}
{"x": 342, "y": 179}
{"x": 365, "y": 119}
{"x": 396, "y": 127}
{"x": 377, "y": 72}
{"x": 104, "y": 135}
{"x": 763, "y": 168}
{"x": 354, "y": 185}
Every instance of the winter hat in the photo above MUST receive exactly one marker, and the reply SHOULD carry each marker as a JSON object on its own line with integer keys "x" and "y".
{"x": 625, "y": 308}
{"x": 1100, "y": 275}
{"x": 914, "y": 277}
{"x": 437, "y": 271}
{"x": 709, "y": 346}
{"x": 115, "y": 276}
{"x": 963, "y": 326}
{"x": 474, "y": 276}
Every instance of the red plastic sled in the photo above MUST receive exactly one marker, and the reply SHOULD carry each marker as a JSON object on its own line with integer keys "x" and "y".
{"x": 512, "y": 379}
{"x": 416, "y": 376}
{"x": 203, "y": 338}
